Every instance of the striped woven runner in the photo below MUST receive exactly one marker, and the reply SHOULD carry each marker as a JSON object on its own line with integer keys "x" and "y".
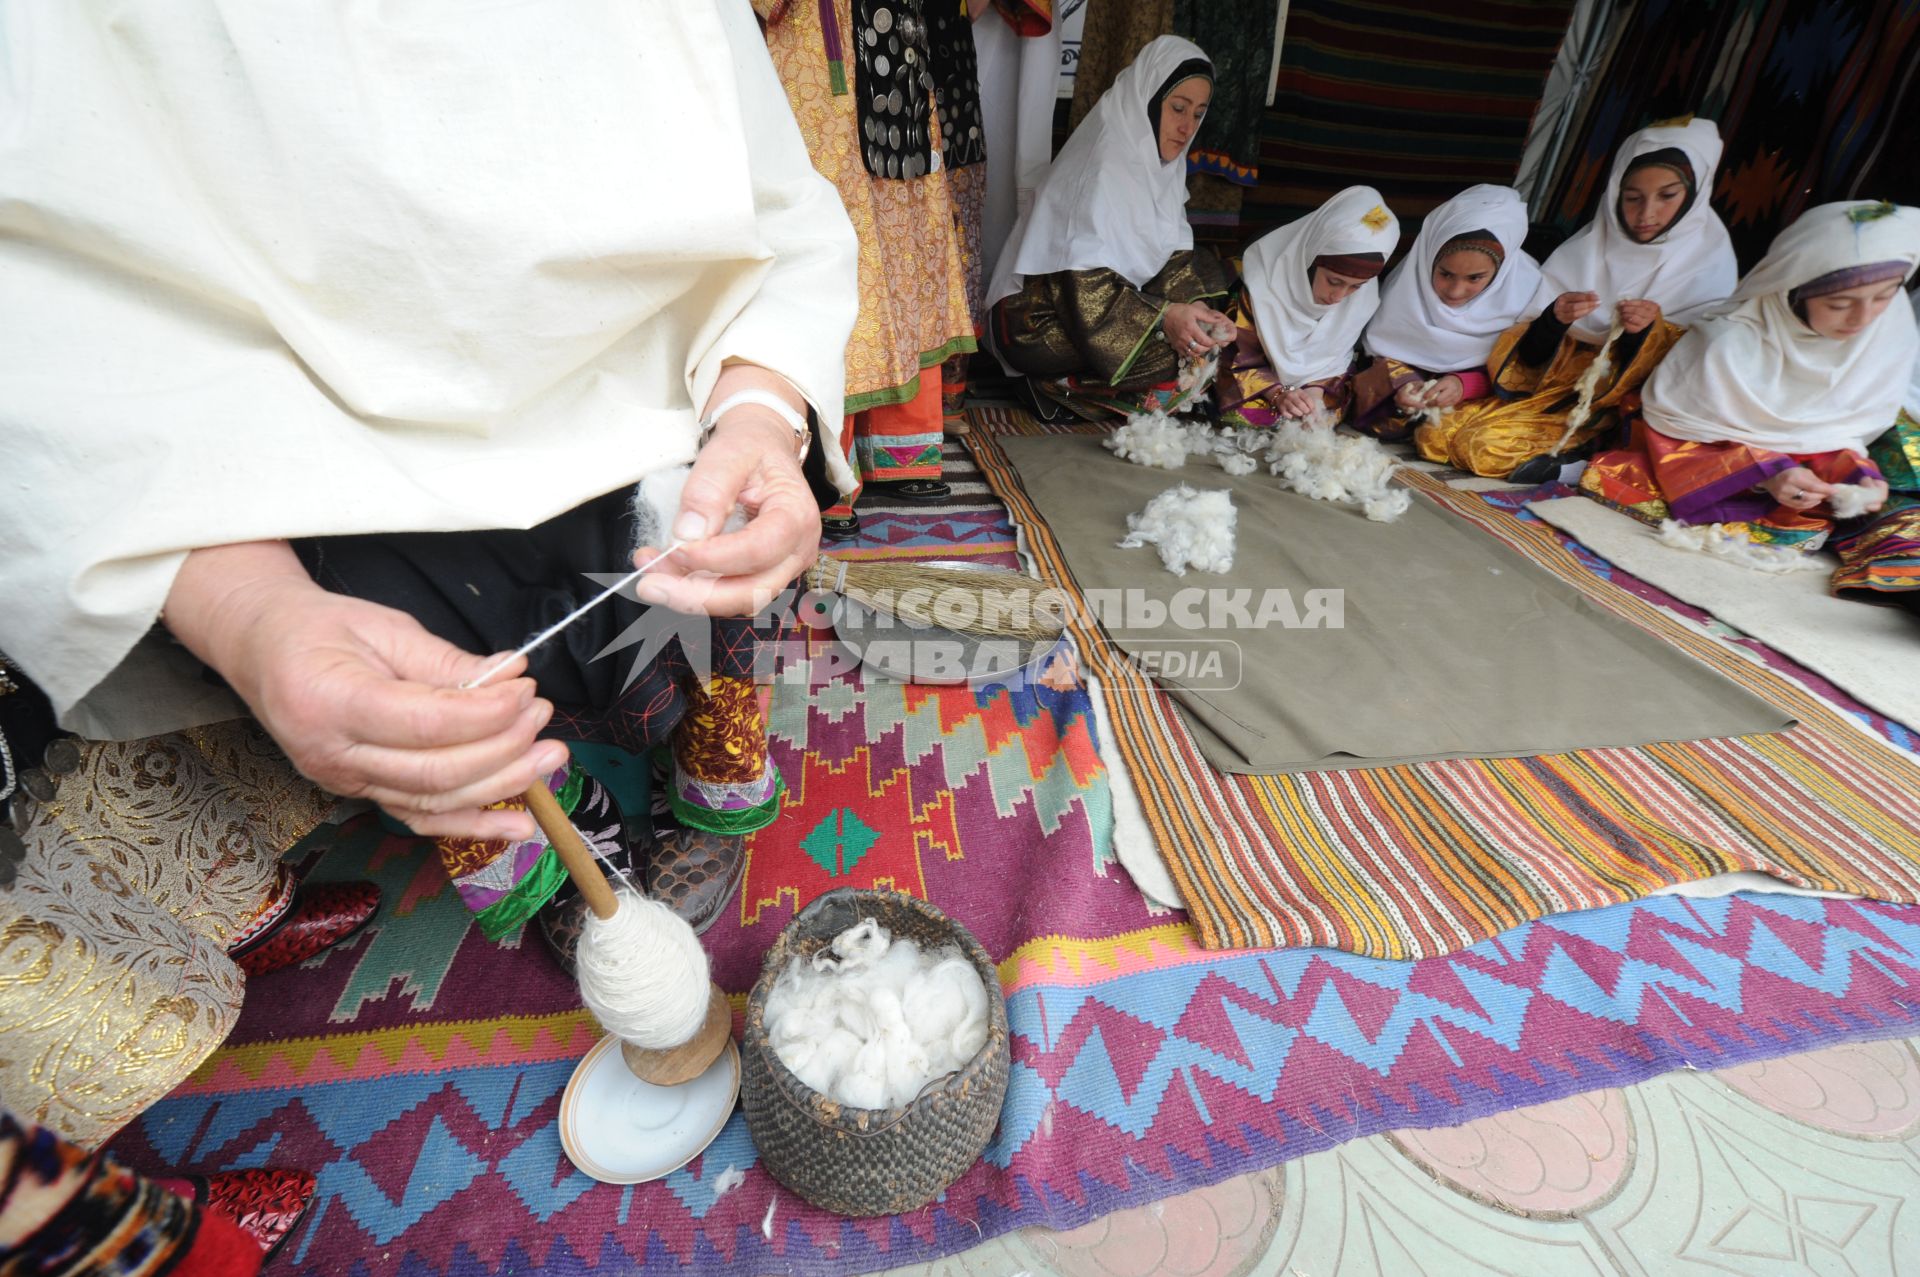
{"x": 1418, "y": 860}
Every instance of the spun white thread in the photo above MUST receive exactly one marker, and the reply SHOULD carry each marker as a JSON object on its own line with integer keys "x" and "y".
{"x": 544, "y": 635}
{"x": 1588, "y": 386}
{"x": 643, "y": 973}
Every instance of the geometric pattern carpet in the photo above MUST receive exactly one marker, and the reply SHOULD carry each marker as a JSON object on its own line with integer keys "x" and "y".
{"x": 417, "y": 1070}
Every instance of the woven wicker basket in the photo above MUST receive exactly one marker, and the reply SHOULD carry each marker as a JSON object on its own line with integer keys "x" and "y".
{"x": 871, "y": 1161}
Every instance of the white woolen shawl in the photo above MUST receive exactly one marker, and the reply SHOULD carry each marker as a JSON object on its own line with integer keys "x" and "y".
{"x": 1753, "y": 372}
{"x": 1108, "y": 200}
{"x": 1414, "y": 326}
{"x": 1305, "y": 341}
{"x": 1687, "y": 268}
{"x": 276, "y": 270}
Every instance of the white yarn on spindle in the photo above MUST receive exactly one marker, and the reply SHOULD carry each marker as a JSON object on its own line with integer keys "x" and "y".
{"x": 643, "y": 973}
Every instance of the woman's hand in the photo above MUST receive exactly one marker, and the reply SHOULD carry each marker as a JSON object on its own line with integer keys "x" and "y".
{"x": 1878, "y": 490}
{"x": 1187, "y": 327}
{"x": 1798, "y": 488}
{"x": 1301, "y": 403}
{"x": 1637, "y": 316}
{"x": 1571, "y": 308}
{"x": 1444, "y": 392}
{"x": 365, "y": 702}
{"x": 749, "y": 461}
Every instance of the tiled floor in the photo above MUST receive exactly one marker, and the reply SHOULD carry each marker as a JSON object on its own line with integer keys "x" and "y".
{"x": 1809, "y": 1164}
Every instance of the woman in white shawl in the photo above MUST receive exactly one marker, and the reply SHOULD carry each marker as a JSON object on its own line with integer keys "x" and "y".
{"x": 1306, "y": 292}
{"x": 1764, "y": 412}
{"x": 1653, "y": 258}
{"x": 1465, "y": 282}
{"x": 346, "y": 339}
{"x": 1099, "y": 293}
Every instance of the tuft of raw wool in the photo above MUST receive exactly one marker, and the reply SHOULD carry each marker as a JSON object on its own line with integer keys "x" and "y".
{"x": 1150, "y": 439}
{"x": 656, "y": 504}
{"x": 1428, "y": 414}
{"x": 1735, "y": 546}
{"x": 1588, "y": 386}
{"x": 1850, "y": 500}
{"x": 871, "y": 1020}
{"x": 1191, "y": 529}
{"x": 1317, "y": 461}
{"x": 1196, "y": 376}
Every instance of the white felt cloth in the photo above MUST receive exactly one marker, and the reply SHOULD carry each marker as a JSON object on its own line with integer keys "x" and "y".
{"x": 1686, "y": 269}
{"x": 278, "y": 270}
{"x": 1753, "y": 372}
{"x": 1304, "y": 340}
{"x": 1416, "y": 327}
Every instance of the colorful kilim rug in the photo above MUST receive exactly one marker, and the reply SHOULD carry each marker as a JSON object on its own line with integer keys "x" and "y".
{"x": 1415, "y": 860}
{"x": 1417, "y": 100}
{"x": 419, "y": 1072}
{"x": 418, "y": 1069}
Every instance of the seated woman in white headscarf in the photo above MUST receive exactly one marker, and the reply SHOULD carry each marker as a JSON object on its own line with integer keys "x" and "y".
{"x": 1880, "y": 555}
{"x": 1769, "y": 404}
{"x": 1306, "y": 292}
{"x": 1465, "y": 282}
{"x": 1653, "y": 258}
{"x": 1099, "y": 293}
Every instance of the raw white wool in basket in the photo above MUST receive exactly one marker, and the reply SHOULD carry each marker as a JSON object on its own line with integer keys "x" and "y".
{"x": 1191, "y": 529}
{"x": 871, "y": 1020}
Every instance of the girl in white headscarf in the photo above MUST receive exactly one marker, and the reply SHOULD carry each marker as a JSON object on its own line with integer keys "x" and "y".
{"x": 1465, "y": 282}
{"x": 1880, "y": 560}
{"x": 1654, "y": 258}
{"x": 1099, "y": 293}
{"x": 1307, "y": 291}
{"x": 1770, "y": 403}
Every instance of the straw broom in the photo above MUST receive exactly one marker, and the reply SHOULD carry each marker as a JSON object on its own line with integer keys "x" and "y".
{"x": 985, "y": 602}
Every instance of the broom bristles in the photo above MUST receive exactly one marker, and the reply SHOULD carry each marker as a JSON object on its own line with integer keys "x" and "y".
{"x": 987, "y": 602}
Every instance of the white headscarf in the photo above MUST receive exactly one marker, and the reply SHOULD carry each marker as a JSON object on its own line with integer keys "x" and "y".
{"x": 1687, "y": 268}
{"x": 1108, "y": 200}
{"x": 1414, "y": 326}
{"x": 1304, "y": 340}
{"x": 1754, "y": 372}
{"x": 1913, "y": 388}
{"x": 275, "y": 271}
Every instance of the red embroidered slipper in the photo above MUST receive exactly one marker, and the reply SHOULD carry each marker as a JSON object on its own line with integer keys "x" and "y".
{"x": 322, "y": 915}
{"x": 266, "y": 1204}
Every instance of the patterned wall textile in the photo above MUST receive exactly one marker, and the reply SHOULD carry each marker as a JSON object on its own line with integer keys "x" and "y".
{"x": 1416, "y": 860}
{"x": 1418, "y": 100}
{"x": 1238, "y": 36}
{"x": 1817, "y": 101}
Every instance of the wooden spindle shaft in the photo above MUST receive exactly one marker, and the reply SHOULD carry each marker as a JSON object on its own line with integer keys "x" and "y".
{"x": 572, "y": 850}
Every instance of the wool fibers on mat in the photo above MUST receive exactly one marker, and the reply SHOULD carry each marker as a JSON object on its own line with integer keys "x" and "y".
{"x": 1343, "y": 642}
